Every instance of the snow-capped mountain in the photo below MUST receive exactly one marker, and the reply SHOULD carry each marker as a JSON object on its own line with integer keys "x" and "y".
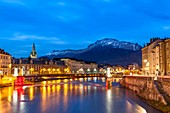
{"x": 116, "y": 44}
{"x": 104, "y": 42}
{"x": 108, "y": 50}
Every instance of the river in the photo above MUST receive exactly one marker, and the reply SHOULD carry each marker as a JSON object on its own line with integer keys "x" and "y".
{"x": 84, "y": 95}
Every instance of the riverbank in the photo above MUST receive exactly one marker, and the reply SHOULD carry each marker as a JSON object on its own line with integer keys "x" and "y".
{"x": 156, "y": 104}
{"x": 148, "y": 90}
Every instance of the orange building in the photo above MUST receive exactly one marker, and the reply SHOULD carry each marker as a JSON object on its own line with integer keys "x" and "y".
{"x": 5, "y": 63}
{"x": 156, "y": 57}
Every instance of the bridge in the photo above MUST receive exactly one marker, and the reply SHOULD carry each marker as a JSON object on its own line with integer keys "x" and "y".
{"x": 43, "y": 77}
{"x": 61, "y": 76}
{"x": 25, "y": 80}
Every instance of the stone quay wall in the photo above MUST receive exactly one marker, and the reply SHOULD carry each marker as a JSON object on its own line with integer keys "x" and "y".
{"x": 144, "y": 87}
{"x": 165, "y": 82}
{"x": 166, "y": 88}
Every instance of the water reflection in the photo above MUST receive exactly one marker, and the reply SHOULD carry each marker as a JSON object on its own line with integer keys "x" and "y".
{"x": 109, "y": 101}
{"x": 74, "y": 96}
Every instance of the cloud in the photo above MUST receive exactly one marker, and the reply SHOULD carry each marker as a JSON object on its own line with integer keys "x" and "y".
{"x": 61, "y": 4}
{"x": 22, "y": 37}
{"x": 17, "y": 2}
{"x": 166, "y": 27}
{"x": 58, "y": 42}
{"x": 28, "y": 46}
{"x": 20, "y": 51}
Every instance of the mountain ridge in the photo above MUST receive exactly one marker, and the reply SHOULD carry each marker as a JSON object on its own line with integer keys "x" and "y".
{"x": 113, "y": 52}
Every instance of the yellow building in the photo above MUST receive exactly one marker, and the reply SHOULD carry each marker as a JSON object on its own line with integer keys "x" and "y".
{"x": 37, "y": 66}
{"x": 167, "y": 56}
{"x": 5, "y": 63}
{"x": 156, "y": 57}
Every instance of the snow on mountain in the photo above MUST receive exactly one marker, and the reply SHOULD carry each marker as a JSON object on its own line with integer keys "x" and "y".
{"x": 116, "y": 44}
{"x": 99, "y": 43}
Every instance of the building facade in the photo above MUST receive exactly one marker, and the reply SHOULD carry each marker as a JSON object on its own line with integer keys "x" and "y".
{"x": 78, "y": 66}
{"x": 156, "y": 57}
{"x": 29, "y": 66}
{"x": 5, "y": 63}
{"x": 167, "y": 56}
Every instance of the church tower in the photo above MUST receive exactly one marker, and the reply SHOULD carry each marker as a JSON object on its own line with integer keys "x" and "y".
{"x": 33, "y": 53}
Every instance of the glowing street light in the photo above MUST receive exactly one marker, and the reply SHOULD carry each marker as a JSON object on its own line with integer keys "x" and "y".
{"x": 145, "y": 60}
{"x": 32, "y": 70}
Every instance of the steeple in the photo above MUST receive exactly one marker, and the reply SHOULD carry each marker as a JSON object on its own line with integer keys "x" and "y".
{"x": 33, "y": 47}
{"x": 33, "y": 53}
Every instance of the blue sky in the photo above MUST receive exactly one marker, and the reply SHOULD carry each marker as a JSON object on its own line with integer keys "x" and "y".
{"x": 74, "y": 24}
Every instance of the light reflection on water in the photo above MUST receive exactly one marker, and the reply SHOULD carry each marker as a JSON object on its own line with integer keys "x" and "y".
{"x": 81, "y": 96}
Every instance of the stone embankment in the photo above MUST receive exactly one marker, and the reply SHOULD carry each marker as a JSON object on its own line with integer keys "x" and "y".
{"x": 144, "y": 87}
{"x": 165, "y": 84}
{"x": 166, "y": 87}
{"x": 154, "y": 92}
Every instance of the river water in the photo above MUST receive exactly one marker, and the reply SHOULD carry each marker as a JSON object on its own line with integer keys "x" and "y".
{"x": 88, "y": 95}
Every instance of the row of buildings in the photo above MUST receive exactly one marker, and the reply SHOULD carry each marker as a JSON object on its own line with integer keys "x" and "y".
{"x": 156, "y": 57}
{"x": 34, "y": 65}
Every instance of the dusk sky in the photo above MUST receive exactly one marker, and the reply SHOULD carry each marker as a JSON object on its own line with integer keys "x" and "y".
{"x": 74, "y": 24}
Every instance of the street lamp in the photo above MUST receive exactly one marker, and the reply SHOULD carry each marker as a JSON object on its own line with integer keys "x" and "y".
{"x": 32, "y": 69}
{"x": 65, "y": 70}
{"x": 49, "y": 70}
{"x": 53, "y": 70}
{"x": 58, "y": 70}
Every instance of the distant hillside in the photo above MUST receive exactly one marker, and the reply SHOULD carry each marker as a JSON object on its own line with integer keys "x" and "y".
{"x": 106, "y": 51}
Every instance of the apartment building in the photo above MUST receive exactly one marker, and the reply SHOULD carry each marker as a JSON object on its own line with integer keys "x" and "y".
{"x": 5, "y": 63}
{"x": 156, "y": 57}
